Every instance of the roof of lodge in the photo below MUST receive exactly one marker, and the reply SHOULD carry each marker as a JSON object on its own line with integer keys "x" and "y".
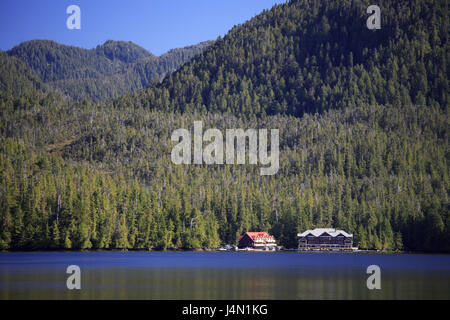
{"x": 319, "y": 231}
{"x": 254, "y": 235}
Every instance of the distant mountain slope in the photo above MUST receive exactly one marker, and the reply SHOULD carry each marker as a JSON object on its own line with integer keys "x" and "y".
{"x": 123, "y": 51}
{"x": 109, "y": 70}
{"x": 53, "y": 61}
{"x": 311, "y": 55}
{"x": 16, "y": 78}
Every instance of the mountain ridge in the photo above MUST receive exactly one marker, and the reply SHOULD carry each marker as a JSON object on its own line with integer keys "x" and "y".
{"x": 106, "y": 71}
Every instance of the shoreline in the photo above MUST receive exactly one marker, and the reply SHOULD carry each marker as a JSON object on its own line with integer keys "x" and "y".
{"x": 368, "y": 251}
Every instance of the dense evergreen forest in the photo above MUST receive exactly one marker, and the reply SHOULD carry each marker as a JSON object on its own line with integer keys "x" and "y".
{"x": 108, "y": 71}
{"x": 364, "y": 136}
{"x": 310, "y": 56}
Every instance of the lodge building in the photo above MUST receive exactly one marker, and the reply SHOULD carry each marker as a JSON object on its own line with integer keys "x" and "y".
{"x": 257, "y": 240}
{"x": 325, "y": 239}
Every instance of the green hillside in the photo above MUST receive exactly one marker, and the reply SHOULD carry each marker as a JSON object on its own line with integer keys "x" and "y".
{"x": 364, "y": 137}
{"x": 15, "y": 76}
{"x": 310, "y": 56}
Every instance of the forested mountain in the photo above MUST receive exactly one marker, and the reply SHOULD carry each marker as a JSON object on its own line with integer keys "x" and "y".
{"x": 364, "y": 139}
{"x": 111, "y": 69}
{"x": 311, "y": 55}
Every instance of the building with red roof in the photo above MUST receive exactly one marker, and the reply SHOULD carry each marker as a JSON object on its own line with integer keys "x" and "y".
{"x": 257, "y": 240}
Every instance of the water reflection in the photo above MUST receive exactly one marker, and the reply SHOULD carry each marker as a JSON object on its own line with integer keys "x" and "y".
{"x": 214, "y": 276}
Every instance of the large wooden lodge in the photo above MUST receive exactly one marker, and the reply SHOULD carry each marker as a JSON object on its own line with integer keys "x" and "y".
{"x": 257, "y": 240}
{"x": 325, "y": 239}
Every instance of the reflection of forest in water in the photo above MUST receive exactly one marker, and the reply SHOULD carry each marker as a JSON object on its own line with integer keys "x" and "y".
{"x": 170, "y": 275}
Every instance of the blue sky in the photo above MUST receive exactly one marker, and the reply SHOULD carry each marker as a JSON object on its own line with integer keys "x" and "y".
{"x": 158, "y": 26}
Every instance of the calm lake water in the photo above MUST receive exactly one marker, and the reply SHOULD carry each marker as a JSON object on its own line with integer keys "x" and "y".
{"x": 223, "y": 275}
